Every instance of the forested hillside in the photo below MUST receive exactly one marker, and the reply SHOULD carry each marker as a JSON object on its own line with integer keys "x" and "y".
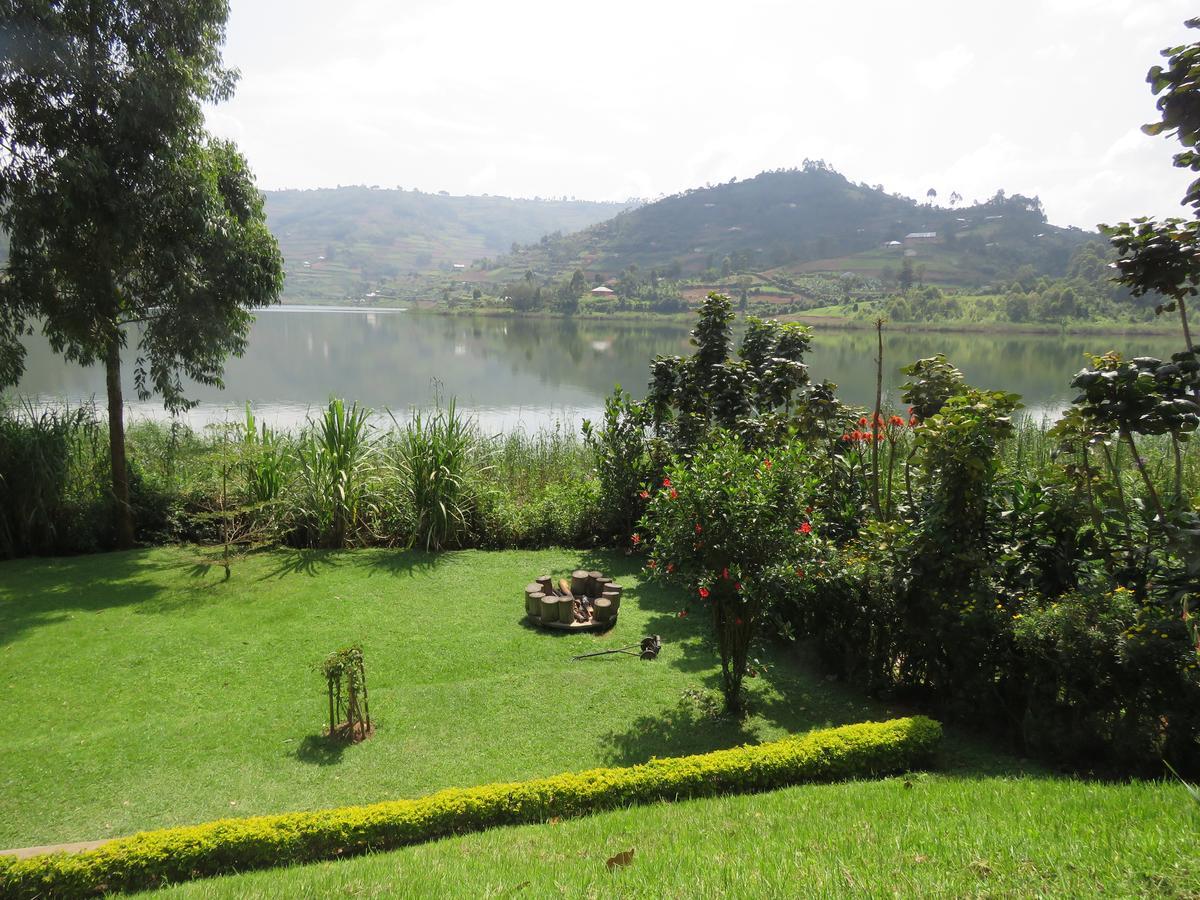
{"x": 342, "y": 243}
{"x": 812, "y": 219}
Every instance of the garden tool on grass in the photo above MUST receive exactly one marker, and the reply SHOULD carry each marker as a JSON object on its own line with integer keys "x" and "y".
{"x": 647, "y": 648}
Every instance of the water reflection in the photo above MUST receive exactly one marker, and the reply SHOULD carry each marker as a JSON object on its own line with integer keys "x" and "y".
{"x": 530, "y": 373}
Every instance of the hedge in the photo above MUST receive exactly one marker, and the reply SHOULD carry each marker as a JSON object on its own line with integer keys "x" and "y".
{"x": 154, "y": 858}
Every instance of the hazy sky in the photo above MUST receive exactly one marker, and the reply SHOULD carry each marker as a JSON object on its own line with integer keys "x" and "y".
{"x": 617, "y": 99}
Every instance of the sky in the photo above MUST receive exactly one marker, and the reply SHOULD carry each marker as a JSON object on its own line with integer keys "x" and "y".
{"x": 606, "y": 101}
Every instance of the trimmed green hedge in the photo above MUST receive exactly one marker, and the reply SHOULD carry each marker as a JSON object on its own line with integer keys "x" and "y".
{"x": 154, "y": 858}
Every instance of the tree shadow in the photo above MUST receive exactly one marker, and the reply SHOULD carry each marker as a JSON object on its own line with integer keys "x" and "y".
{"x": 302, "y": 562}
{"x": 693, "y": 725}
{"x": 321, "y": 750}
{"x": 43, "y": 591}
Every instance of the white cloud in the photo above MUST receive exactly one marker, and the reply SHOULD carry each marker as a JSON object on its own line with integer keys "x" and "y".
{"x": 538, "y": 97}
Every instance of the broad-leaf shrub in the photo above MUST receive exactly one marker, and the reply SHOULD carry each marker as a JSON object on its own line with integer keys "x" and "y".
{"x": 726, "y": 524}
{"x": 154, "y": 858}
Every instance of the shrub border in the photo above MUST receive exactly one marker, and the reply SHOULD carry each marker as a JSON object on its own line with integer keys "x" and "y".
{"x": 154, "y": 858}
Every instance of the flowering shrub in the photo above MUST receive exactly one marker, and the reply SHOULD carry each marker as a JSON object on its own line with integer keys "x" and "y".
{"x": 722, "y": 525}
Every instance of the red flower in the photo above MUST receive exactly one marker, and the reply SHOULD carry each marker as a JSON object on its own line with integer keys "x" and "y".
{"x": 703, "y": 593}
{"x": 698, "y": 528}
{"x": 862, "y": 421}
{"x": 674, "y": 494}
{"x": 799, "y": 573}
{"x": 666, "y": 482}
{"x": 637, "y": 538}
{"x": 896, "y": 422}
{"x": 737, "y": 621}
{"x": 845, "y": 437}
{"x": 766, "y": 463}
{"x": 652, "y": 565}
{"x": 913, "y": 421}
{"x": 725, "y": 574}
{"x": 683, "y": 614}
{"x": 645, "y": 495}
{"x": 670, "y": 567}
{"x": 737, "y": 585}
{"x": 805, "y": 528}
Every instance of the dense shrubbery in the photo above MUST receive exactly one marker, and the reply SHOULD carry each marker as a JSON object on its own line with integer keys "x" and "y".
{"x": 154, "y": 858}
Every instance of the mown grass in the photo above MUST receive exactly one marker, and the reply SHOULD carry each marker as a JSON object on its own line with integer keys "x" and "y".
{"x": 916, "y": 836}
{"x": 141, "y": 690}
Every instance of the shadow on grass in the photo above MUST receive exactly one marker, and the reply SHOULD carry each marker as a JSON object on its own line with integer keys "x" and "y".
{"x": 321, "y": 750}
{"x": 39, "y": 592}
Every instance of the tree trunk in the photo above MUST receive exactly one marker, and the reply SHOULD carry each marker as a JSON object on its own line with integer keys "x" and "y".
{"x": 122, "y": 511}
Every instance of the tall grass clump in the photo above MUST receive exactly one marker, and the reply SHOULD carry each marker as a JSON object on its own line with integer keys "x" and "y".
{"x": 52, "y": 481}
{"x": 436, "y": 454}
{"x": 333, "y": 495}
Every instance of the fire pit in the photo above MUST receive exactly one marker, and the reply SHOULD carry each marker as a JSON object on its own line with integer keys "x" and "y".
{"x": 587, "y": 601}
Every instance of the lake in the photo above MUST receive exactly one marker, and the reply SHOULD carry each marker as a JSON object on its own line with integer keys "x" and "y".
{"x": 531, "y": 373}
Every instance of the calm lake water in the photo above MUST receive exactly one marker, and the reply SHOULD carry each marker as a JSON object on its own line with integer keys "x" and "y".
{"x": 534, "y": 373}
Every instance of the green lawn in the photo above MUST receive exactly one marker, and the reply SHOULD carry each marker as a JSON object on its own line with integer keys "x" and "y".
{"x": 941, "y": 837}
{"x": 142, "y": 691}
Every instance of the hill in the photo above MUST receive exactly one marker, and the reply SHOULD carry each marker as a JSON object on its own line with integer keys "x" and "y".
{"x": 811, "y": 220}
{"x": 342, "y": 243}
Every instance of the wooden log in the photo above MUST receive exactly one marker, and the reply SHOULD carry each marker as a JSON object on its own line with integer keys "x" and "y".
{"x": 534, "y": 588}
{"x": 579, "y": 582}
{"x": 533, "y": 604}
{"x": 602, "y": 582}
{"x": 564, "y": 587}
{"x": 604, "y": 610}
{"x": 615, "y": 588}
{"x": 545, "y": 584}
{"x": 593, "y": 587}
{"x": 549, "y": 609}
{"x": 614, "y": 600}
{"x": 566, "y": 610}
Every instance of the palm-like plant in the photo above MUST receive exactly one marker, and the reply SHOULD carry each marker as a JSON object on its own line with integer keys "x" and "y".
{"x": 435, "y": 453}
{"x": 335, "y": 472}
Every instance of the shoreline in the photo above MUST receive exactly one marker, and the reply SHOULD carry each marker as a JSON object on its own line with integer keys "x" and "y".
{"x": 838, "y": 323}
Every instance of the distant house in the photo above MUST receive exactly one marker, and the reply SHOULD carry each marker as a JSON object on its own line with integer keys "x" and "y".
{"x": 893, "y": 244}
{"x": 460, "y": 265}
{"x": 920, "y": 237}
{"x": 601, "y": 291}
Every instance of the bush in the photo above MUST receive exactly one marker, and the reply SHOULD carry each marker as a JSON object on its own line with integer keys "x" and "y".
{"x": 153, "y": 858}
{"x": 722, "y": 524}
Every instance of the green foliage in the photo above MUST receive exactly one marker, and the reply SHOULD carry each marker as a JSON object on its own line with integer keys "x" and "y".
{"x": 334, "y": 492}
{"x": 625, "y": 462}
{"x": 729, "y": 525}
{"x": 52, "y": 474}
{"x": 433, "y": 460}
{"x": 153, "y": 858}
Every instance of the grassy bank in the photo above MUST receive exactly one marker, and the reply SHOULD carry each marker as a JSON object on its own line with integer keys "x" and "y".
{"x": 924, "y": 836}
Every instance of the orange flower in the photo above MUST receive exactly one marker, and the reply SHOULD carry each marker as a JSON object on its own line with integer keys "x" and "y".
{"x": 645, "y": 495}
{"x": 652, "y": 565}
{"x": 637, "y": 538}
{"x": 896, "y": 422}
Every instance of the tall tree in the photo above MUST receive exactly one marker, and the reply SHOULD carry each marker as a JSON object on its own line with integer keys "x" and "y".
{"x": 127, "y": 222}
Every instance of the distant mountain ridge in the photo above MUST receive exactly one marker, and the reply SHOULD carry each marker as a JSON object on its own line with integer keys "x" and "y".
{"x": 341, "y": 243}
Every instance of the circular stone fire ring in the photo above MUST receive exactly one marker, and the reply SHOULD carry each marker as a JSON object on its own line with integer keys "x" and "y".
{"x": 587, "y": 601}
